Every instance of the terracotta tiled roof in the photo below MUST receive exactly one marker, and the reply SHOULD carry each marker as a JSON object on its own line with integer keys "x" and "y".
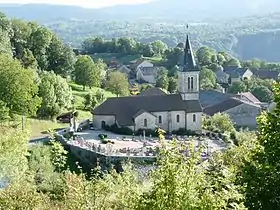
{"x": 249, "y": 96}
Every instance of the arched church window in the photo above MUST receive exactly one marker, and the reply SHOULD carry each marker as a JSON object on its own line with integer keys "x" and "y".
{"x": 103, "y": 124}
{"x": 145, "y": 122}
{"x": 178, "y": 118}
{"x": 189, "y": 83}
{"x": 192, "y": 83}
{"x": 194, "y": 118}
{"x": 159, "y": 119}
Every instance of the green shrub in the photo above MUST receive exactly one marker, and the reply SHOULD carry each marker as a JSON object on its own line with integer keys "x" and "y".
{"x": 233, "y": 135}
{"x": 122, "y": 130}
{"x": 184, "y": 132}
{"x": 102, "y": 136}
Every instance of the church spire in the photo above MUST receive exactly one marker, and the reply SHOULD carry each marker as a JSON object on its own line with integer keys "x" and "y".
{"x": 189, "y": 61}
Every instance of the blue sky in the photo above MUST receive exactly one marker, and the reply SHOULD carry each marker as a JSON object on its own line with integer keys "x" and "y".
{"x": 82, "y": 3}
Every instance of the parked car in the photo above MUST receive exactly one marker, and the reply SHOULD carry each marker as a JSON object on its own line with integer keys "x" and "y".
{"x": 91, "y": 127}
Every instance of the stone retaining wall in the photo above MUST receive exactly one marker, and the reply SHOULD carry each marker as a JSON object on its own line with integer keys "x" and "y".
{"x": 92, "y": 158}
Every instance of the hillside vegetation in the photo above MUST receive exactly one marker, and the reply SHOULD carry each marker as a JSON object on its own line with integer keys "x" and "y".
{"x": 246, "y": 29}
{"x": 246, "y": 38}
{"x": 41, "y": 77}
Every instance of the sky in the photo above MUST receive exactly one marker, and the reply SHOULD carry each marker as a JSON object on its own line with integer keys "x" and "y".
{"x": 82, "y": 3}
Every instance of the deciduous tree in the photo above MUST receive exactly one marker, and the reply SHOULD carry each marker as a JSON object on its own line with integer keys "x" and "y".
{"x": 162, "y": 80}
{"x": 172, "y": 84}
{"x": 18, "y": 88}
{"x": 238, "y": 87}
{"x": 263, "y": 93}
{"x": 207, "y": 79}
{"x": 61, "y": 58}
{"x": 260, "y": 175}
{"x": 118, "y": 83}
{"x": 88, "y": 73}
{"x": 56, "y": 94}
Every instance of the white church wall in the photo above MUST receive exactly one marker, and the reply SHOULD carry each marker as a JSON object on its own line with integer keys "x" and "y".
{"x": 182, "y": 119}
{"x": 108, "y": 119}
{"x": 194, "y": 125}
{"x": 164, "y": 120}
{"x": 151, "y": 121}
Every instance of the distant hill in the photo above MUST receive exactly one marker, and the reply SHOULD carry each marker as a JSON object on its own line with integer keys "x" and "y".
{"x": 189, "y": 10}
{"x": 253, "y": 37}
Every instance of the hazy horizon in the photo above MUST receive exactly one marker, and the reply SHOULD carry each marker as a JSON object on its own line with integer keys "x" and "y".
{"x": 81, "y": 3}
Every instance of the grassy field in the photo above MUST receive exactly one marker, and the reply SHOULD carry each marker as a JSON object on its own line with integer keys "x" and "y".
{"x": 79, "y": 95}
{"x": 107, "y": 57}
{"x": 35, "y": 127}
{"x": 41, "y": 127}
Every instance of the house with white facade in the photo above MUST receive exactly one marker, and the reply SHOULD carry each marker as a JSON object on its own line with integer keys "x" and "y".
{"x": 146, "y": 72}
{"x": 243, "y": 108}
{"x": 170, "y": 112}
{"x": 242, "y": 112}
{"x": 237, "y": 74}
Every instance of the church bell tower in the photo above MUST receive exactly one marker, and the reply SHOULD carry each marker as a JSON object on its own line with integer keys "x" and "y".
{"x": 188, "y": 75}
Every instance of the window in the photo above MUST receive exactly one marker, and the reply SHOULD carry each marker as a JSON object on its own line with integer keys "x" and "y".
{"x": 103, "y": 124}
{"x": 189, "y": 83}
{"x": 178, "y": 118}
{"x": 194, "y": 118}
{"x": 145, "y": 123}
{"x": 192, "y": 83}
{"x": 159, "y": 119}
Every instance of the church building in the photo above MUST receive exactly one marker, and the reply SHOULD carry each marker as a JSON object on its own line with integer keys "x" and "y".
{"x": 170, "y": 112}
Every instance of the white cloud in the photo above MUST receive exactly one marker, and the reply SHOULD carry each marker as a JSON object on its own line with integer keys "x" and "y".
{"x": 82, "y": 3}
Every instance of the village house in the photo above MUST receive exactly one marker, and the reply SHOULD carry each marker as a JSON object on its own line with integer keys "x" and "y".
{"x": 125, "y": 70}
{"x": 147, "y": 75}
{"x": 249, "y": 97}
{"x": 146, "y": 72}
{"x": 237, "y": 74}
{"x": 266, "y": 74}
{"x": 171, "y": 112}
{"x": 243, "y": 108}
{"x": 243, "y": 113}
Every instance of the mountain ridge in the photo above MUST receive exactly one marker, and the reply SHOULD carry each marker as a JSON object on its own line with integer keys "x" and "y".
{"x": 199, "y": 10}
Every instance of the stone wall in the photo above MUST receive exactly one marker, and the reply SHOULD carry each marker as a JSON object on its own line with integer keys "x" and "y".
{"x": 194, "y": 126}
{"x": 245, "y": 115}
{"x": 93, "y": 158}
{"x": 151, "y": 121}
{"x": 108, "y": 119}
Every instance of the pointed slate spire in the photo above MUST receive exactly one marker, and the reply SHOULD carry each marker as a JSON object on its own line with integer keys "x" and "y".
{"x": 189, "y": 61}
